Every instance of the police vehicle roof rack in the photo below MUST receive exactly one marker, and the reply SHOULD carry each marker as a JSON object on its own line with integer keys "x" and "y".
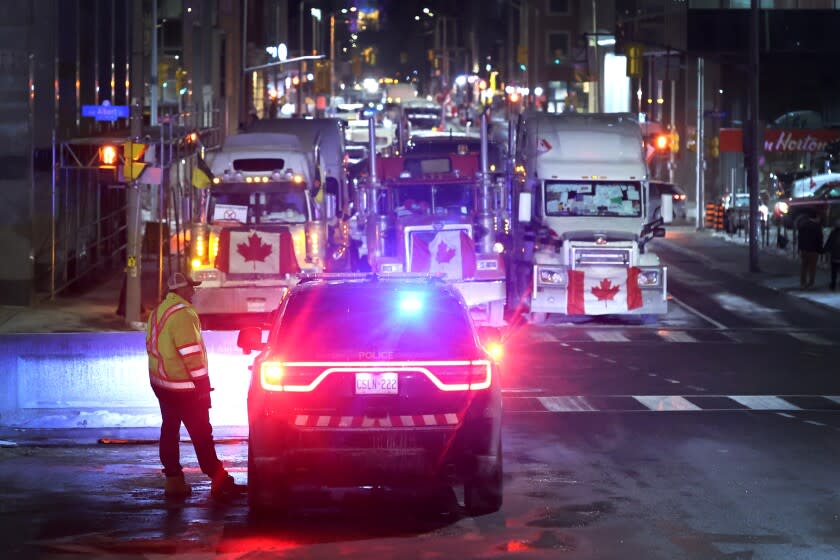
{"x": 370, "y": 276}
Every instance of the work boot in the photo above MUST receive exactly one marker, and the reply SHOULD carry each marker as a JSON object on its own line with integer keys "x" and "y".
{"x": 224, "y": 486}
{"x": 176, "y": 487}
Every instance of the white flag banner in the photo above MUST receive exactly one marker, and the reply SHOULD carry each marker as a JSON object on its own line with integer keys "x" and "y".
{"x": 254, "y": 252}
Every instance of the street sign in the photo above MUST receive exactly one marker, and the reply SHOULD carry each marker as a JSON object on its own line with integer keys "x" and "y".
{"x": 715, "y": 114}
{"x": 106, "y": 111}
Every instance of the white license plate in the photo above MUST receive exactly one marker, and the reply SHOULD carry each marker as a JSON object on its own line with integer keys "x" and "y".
{"x": 385, "y": 383}
{"x": 255, "y": 305}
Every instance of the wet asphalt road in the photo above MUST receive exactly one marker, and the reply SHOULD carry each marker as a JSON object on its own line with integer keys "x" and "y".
{"x": 712, "y": 434}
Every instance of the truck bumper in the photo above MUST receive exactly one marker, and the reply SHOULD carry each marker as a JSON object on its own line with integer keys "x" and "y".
{"x": 238, "y": 300}
{"x": 486, "y": 300}
{"x": 554, "y": 299}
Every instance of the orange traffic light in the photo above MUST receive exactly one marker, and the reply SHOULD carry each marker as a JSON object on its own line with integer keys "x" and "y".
{"x": 514, "y": 97}
{"x": 661, "y": 142}
{"x": 108, "y": 156}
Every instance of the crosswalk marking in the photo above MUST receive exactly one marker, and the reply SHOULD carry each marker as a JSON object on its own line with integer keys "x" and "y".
{"x": 666, "y": 403}
{"x": 764, "y": 402}
{"x": 676, "y": 336}
{"x": 782, "y": 405}
{"x": 811, "y": 338}
{"x": 607, "y": 336}
{"x": 542, "y": 336}
{"x": 569, "y": 337}
{"x": 566, "y": 404}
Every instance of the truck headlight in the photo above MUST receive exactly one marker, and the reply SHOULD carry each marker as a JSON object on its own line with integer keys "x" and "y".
{"x": 551, "y": 277}
{"x": 648, "y": 278}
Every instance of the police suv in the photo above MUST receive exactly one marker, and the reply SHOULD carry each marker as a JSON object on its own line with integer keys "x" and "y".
{"x": 374, "y": 381}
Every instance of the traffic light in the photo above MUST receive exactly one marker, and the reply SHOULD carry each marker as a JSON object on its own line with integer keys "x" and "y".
{"x": 714, "y": 146}
{"x": 134, "y": 160}
{"x": 180, "y": 81}
{"x": 661, "y": 142}
{"x": 635, "y": 60}
{"x": 108, "y": 156}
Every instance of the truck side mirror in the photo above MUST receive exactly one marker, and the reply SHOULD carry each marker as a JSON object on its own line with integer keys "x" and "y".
{"x": 525, "y": 200}
{"x": 666, "y": 208}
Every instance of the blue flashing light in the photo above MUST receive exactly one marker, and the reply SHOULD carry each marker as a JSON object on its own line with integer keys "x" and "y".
{"x": 411, "y": 303}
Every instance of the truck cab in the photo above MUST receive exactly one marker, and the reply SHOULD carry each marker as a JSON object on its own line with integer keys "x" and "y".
{"x": 259, "y": 224}
{"x": 583, "y": 200}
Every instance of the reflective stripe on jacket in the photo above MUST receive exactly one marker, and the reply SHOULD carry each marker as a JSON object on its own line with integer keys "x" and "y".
{"x": 177, "y": 357}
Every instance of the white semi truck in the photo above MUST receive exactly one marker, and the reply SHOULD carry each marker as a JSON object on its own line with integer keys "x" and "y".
{"x": 580, "y": 239}
{"x": 258, "y": 225}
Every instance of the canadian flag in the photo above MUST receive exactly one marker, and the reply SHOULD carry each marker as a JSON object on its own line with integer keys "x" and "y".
{"x": 249, "y": 251}
{"x": 450, "y": 253}
{"x": 603, "y": 292}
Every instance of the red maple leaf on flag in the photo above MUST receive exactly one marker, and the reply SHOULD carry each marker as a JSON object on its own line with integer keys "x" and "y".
{"x": 254, "y": 250}
{"x": 445, "y": 253}
{"x": 605, "y": 290}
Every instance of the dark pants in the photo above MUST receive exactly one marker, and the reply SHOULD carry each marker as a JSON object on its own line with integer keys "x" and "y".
{"x": 176, "y": 408}
{"x": 835, "y": 268}
{"x": 807, "y": 268}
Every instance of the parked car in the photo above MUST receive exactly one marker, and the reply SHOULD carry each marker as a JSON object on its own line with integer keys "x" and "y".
{"x": 409, "y": 394}
{"x": 824, "y": 202}
{"x": 657, "y": 189}
{"x": 737, "y": 209}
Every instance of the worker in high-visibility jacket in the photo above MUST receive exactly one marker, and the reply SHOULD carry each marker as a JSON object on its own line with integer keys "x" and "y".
{"x": 180, "y": 380}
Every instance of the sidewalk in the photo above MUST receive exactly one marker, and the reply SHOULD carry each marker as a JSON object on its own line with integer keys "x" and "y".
{"x": 779, "y": 268}
{"x": 95, "y": 310}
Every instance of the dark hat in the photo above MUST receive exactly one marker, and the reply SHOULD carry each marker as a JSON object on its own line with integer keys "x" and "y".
{"x": 178, "y": 280}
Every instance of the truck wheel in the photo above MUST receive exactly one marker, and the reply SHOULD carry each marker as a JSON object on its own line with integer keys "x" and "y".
{"x": 484, "y": 494}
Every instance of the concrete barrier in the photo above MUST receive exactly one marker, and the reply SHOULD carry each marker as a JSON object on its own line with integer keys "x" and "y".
{"x": 78, "y": 380}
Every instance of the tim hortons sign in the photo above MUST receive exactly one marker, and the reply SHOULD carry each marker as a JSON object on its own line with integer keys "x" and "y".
{"x": 780, "y": 140}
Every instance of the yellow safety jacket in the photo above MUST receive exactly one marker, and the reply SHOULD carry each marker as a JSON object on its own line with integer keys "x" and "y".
{"x": 177, "y": 356}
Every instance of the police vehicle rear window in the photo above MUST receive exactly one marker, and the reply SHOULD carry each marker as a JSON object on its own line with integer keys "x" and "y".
{"x": 370, "y": 321}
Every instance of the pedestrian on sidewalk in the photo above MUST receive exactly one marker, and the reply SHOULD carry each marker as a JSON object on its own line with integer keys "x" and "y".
{"x": 832, "y": 249}
{"x": 179, "y": 378}
{"x": 810, "y": 236}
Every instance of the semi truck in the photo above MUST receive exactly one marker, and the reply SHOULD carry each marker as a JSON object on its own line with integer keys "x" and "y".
{"x": 437, "y": 214}
{"x": 261, "y": 221}
{"x": 580, "y": 243}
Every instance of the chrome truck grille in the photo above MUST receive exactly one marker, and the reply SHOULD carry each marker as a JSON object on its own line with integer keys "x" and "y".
{"x": 592, "y": 256}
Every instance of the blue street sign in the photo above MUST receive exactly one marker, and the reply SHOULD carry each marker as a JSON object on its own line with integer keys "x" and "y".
{"x": 105, "y": 112}
{"x": 715, "y": 114}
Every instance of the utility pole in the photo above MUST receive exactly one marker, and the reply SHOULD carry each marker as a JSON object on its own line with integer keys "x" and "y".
{"x": 699, "y": 142}
{"x": 153, "y": 110}
{"x": 753, "y": 147}
{"x": 332, "y": 59}
{"x": 133, "y": 293}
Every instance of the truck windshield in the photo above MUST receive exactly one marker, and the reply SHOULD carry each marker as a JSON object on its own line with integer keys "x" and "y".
{"x": 423, "y": 118}
{"x": 438, "y": 200}
{"x": 591, "y": 198}
{"x": 263, "y": 207}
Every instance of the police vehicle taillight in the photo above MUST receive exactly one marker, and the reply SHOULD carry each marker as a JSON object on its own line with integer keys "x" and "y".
{"x": 305, "y": 377}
